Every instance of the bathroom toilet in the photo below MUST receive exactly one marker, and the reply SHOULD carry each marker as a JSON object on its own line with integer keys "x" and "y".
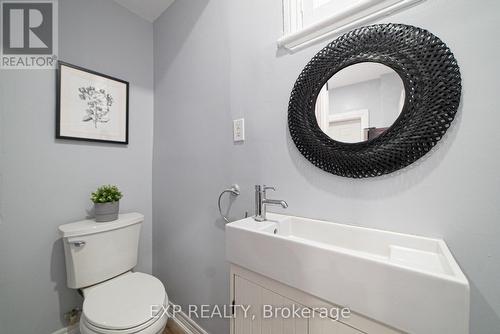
{"x": 99, "y": 261}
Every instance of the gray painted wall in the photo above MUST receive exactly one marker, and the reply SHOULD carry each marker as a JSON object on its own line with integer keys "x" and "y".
{"x": 229, "y": 48}
{"x": 47, "y": 182}
{"x": 192, "y": 161}
{"x": 361, "y": 95}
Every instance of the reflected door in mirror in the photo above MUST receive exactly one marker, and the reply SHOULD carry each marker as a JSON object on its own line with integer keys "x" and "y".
{"x": 360, "y": 102}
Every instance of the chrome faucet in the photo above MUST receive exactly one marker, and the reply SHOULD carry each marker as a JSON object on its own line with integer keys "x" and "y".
{"x": 261, "y": 202}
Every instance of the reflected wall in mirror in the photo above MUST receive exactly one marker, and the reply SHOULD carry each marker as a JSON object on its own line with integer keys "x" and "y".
{"x": 360, "y": 102}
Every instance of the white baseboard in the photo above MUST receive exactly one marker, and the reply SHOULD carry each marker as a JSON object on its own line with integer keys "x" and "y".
{"x": 186, "y": 323}
{"x": 73, "y": 329}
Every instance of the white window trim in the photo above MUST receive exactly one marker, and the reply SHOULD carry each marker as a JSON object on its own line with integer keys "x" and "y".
{"x": 292, "y": 15}
{"x": 351, "y": 17}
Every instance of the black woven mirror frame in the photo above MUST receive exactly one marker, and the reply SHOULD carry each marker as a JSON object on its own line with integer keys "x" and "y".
{"x": 431, "y": 77}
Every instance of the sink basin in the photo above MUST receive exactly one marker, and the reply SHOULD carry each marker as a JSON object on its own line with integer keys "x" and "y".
{"x": 408, "y": 282}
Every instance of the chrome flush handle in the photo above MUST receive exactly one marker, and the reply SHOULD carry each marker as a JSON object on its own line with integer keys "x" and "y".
{"x": 77, "y": 243}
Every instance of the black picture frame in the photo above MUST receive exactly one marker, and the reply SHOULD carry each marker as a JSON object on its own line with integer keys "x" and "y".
{"x": 431, "y": 77}
{"x": 59, "y": 110}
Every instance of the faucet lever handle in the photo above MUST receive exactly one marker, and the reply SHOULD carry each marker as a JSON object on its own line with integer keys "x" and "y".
{"x": 269, "y": 188}
{"x": 266, "y": 188}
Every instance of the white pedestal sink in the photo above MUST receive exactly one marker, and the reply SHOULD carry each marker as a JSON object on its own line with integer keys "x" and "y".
{"x": 408, "y": 282}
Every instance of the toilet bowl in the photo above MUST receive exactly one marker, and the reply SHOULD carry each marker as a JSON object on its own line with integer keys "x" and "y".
{"x": 99, "y": 261}
{"x": 129, "y": 303}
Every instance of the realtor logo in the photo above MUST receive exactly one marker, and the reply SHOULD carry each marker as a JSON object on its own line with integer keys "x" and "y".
{"x": 29, "y": 34}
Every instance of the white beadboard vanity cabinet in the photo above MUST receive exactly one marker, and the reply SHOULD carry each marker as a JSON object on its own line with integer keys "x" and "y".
{"x": 254, "y": 290}
{"x": 391, "y": 282}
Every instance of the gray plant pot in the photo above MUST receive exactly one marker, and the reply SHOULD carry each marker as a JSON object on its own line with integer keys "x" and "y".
{"x": 106, "y": 212}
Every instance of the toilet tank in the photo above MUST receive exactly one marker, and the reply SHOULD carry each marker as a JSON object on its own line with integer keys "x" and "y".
{"x": 96, "y": 252}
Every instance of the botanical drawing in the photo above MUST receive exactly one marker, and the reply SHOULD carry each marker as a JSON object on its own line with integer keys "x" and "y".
{"x": 98, "y": 103}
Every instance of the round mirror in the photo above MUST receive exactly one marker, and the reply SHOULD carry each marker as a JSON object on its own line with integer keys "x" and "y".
{"x": 360, "y": 102}
{"x": 407, "y": 122}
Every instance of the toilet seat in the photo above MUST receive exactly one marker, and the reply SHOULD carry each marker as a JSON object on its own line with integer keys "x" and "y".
{"x": 155, "y": 326}
{"x": 124, "y": 305}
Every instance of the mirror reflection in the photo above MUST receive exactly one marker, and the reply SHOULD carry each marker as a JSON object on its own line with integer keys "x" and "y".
{"x": 360, "y": 102}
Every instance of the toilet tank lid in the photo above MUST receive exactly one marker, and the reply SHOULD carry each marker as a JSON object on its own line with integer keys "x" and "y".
{"x": 90, "y": 226}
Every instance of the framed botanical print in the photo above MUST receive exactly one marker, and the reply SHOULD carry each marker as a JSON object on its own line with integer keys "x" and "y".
{"x": 91, "y": 106}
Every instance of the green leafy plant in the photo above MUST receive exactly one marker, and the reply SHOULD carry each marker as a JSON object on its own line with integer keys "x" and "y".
{"x": 105, "y": 194}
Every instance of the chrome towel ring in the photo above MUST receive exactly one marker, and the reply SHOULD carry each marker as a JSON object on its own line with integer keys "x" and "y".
{"x": 234, "y": 190}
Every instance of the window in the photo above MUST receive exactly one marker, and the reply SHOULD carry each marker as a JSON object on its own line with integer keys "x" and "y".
{"x": 307, "y": 21}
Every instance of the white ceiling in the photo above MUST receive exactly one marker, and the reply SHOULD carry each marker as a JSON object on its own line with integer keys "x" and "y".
{"x": 360, "y": 72}
{"x": 148, "y": 9}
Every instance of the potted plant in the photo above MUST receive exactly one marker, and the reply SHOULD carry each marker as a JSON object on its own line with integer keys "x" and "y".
{"x": 106, "y": 203}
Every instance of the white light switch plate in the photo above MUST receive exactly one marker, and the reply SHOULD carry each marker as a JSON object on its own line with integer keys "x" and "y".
{"x": 239, "y": 129}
